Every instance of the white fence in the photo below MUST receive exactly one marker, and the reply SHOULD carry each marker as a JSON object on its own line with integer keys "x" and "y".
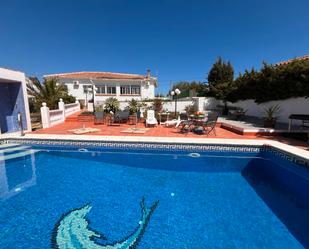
{"x": 287, "y": 107}
{"x": 168, "y": 106}
{"x": 53, "y": 117}
{"x": 200, "y": 103}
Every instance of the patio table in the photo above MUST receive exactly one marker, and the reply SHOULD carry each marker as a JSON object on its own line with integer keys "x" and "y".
{"x": 303, "y": 117}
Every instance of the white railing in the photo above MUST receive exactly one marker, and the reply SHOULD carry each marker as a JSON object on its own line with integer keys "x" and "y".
{"x": 71, "y": 108}
{"x": 56, "y": 117}
{"x": 53, "y": 117}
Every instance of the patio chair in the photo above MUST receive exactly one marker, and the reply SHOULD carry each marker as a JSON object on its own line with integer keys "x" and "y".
{"x": 185, "y": 126}
{"x": 99, "y": 118}
{"x": 209, "y": 125}
{"x": 183, "y": 116}
{"x": 151, "y": 120}
{"x": 122, "y": 116}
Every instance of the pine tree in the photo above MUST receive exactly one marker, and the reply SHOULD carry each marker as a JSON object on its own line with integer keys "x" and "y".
{"x": 220, "y": 80}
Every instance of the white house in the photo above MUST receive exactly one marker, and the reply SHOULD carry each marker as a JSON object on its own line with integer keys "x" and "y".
{"x": 122, "y": 86}
{"x": 13, "y": 101}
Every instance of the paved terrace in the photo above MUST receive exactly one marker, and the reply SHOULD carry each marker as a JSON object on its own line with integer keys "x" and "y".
{"x": 157, "y": 132}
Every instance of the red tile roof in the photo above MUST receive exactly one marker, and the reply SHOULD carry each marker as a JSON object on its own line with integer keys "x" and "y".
{"x": 301, "y": 58}
{"x": 96, "y": 75}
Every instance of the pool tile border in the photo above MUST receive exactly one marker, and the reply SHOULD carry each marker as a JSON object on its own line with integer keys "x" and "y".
{"x": 139, "y": 145}
{"x": 166, "y": 146}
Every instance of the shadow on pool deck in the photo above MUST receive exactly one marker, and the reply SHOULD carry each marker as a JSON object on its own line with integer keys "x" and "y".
{"x": 284, "y": 193}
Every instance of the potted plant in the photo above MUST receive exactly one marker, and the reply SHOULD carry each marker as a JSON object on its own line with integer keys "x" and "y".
{"x": 133, "y": 109}
{"x": 111, "y": 106}
{"x": 269, "y": 116}
{"x": 133, "y": 106}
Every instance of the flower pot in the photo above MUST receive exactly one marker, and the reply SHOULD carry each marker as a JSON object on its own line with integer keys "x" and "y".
{"x": 270, "y": 123}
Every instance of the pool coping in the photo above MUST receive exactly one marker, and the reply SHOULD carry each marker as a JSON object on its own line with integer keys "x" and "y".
{"x": 292, "y": 151}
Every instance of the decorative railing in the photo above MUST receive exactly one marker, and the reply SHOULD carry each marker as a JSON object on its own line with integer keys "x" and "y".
{"x": 71, "y": 108}
{"x": 52, "y": 117}
{"x": 56, "y": 117}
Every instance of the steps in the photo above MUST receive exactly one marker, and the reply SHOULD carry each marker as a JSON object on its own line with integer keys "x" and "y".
{"x": 80, "y": 118}
{"x": 11, "y": 151}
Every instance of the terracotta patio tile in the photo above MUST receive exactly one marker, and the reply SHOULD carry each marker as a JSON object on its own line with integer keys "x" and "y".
{"x": 159, "y": 131}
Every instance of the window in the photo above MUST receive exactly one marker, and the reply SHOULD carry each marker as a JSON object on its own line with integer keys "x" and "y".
{"x": 125, "y": 90}
{"x": 100, "y": 89}
{"x": 75, "y": 84}
{"x": 110, "y": 89}
{"x": 135, "y": 90}
{"x": 103, "y": 89}
{"x": 86, "y": 88}
{"x": 130, "y": 90}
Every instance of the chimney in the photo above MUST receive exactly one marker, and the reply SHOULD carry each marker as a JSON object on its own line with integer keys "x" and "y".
{"x": 148, "y": 74}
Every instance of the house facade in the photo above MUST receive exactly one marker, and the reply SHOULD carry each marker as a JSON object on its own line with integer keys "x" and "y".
{"x": 122, "y": 86}
{"x": 13, "y": 101}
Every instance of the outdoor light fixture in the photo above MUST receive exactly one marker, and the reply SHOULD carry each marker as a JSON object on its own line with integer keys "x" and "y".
{"x": 175, "y": 93}
{"x": 94, "y": 88}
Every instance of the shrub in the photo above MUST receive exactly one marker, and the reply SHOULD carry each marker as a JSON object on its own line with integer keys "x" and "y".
{"x": 272, "y": 82}
{"x": 111, "y": 105}
{"x": 157, "y": 105}
{"x": 190, "y": 109}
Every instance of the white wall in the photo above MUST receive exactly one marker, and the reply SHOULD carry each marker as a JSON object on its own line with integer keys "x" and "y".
{"x": 287, "y": 107}
{"x": 181, "y": 105}
{"x": 147, "y": 91}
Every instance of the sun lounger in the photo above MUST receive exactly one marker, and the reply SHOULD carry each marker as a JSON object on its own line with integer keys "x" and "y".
{"x": 151, "y": 120}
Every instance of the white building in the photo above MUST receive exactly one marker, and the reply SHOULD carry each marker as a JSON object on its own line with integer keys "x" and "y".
{"x": 122, "y": 86}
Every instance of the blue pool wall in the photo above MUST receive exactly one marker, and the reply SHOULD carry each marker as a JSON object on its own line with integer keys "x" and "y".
{"x": 11, "y": 102}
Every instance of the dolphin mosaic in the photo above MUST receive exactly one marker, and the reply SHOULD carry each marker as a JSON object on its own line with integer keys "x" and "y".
{"x": 73, "y": 232}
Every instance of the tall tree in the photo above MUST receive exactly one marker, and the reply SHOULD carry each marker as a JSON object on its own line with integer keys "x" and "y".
{"x": 50, "y": 91}
{"x": 185, "y": 87}
{"x": 220, "y": 80}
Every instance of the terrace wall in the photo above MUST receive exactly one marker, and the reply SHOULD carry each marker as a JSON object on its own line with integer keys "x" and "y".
{"x": 287, "y": 107}
{"x": 53, "y": 117}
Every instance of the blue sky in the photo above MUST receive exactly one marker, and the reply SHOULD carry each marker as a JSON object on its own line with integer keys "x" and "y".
{"x": 177, "y": 40}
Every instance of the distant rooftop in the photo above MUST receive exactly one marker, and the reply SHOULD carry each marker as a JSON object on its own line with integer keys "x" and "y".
{"x": 301, "y": 58}
{"x": 99, "y": 75}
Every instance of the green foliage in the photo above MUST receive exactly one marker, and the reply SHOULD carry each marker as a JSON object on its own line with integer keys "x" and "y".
{"x": 190, "y": 109}
{"x": 32, "y": 106}
{"x": 50, "y": 91}
{"x": 185, "y": 86}
{"x": 157, "y": 105}
{"x": 272, "y": 82}
{"x": 133, "y": 106}
{"x": 99, "y": 108}
{"x": 220, "y": 79}
{"x": 68, "y": 99}
{"x": 111, "y": 105}
{"x": 271, "y": 111}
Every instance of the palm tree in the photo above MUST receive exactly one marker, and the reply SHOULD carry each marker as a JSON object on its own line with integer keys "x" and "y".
{"x": 50, "y": 91}
{"x": 111, "y": 105}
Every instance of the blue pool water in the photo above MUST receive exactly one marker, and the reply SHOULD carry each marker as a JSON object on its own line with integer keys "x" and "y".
{"x": 214, "y": 200}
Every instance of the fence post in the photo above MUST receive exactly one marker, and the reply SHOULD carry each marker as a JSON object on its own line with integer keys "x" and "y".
{"x": 78, "y": 107}
{"x": 62, "y": 108}
{"x": 45, "y": 116}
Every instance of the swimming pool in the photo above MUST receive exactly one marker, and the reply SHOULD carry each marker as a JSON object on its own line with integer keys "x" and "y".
{"x": 151, "y": 196}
